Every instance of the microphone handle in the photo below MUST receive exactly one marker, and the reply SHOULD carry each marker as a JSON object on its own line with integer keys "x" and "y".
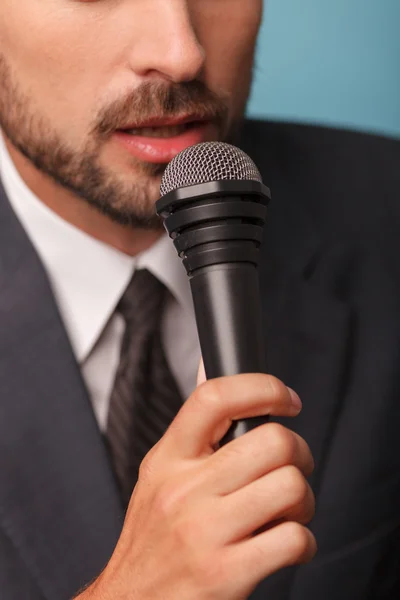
{"x": 227, "y": 306}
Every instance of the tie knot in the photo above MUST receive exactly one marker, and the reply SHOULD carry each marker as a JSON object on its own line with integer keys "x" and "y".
{"x": 142, "y": 301}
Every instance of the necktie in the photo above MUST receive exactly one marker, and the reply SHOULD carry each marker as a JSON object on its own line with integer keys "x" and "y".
{"x": 145, "y": 397}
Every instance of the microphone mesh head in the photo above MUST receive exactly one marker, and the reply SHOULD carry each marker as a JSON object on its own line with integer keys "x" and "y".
{"x": 207, "y": 162}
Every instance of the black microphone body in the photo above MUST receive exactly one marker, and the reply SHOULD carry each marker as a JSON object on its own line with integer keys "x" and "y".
{"x": 217, "y": 230}
{"x": 227, "y": 308}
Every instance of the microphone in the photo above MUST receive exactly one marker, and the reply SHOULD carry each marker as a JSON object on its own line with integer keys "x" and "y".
{"x": 214, "y": 206}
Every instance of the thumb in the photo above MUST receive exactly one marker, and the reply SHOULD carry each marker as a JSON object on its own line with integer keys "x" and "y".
{"x": 201, "y": 374}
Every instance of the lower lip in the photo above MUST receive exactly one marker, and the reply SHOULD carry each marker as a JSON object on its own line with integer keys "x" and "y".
{"x": 162, "y": 150}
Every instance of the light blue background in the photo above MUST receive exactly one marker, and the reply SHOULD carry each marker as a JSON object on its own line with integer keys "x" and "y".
{"x": 334, "y": 62}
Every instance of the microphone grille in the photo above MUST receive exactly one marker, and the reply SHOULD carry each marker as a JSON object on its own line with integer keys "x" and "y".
{"x": 207, "y": 162}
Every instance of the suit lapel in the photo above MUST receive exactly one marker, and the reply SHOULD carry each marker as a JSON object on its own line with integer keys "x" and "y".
{"x": 58, "y": 501}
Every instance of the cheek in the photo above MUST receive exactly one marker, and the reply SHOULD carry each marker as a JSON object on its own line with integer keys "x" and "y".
{"x": 229, "y": 41}
{"x": 57, "y": 65}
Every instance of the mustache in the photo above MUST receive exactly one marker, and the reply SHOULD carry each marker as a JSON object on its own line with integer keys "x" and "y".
{"x": 152, "y": 101}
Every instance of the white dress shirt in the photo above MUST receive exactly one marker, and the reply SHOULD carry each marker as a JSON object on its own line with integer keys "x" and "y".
{"x": 88, "y": 278}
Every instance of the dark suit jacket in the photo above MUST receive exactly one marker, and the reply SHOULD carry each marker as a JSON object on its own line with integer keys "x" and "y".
{"x": 331, "y": 296}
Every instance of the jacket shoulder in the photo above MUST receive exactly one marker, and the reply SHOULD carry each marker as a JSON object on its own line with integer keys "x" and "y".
{"x": 348, "y": 181}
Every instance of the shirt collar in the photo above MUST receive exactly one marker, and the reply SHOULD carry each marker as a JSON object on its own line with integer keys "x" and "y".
{"x": 87, "y": 276}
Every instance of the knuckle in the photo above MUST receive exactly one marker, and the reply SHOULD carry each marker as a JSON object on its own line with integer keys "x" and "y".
{"x": 212, "y": 574}
{"x": 166, "y": 500}
{"x": 310, "y": 509}
{"x": 298, "y": 541}
{"x": 185, "y": 532}
{"x": 207, "y": 569}
{"x": 147, "y": 467}
{"x": 208, "y": 395}
{"x": 258, "y": 556}
{"x": 295, "y": 486}
{"x": 275, "y": 389}
{"x": 282, "y": 442}
{"x": 232, "y": 452}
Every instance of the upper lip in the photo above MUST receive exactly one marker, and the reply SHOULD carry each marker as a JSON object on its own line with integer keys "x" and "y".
{"x": 167, "y": 122}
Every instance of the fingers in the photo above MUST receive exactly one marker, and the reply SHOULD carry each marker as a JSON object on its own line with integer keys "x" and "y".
{"x": 283, "y": 494}
{"x": 255, "y": 454}
{"x": 262, "y": 555}
{"x": 210, "y": 410}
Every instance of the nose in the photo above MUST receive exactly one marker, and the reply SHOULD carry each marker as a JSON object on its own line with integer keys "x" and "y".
{"x": 167, "y": 44}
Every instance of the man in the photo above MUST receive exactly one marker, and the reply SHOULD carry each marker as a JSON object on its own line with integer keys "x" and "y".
{"x": 95, "y": 98}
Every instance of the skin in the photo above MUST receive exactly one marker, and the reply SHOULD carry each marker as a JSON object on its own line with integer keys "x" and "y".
{"x": 86, "y": 59}
{"x": 207, "y": 524}
{"x": 204, "y": 522}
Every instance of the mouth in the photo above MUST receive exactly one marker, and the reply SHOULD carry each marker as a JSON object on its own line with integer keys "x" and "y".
{"x": 162, "y": 132}
{"x": 159, "y": 141}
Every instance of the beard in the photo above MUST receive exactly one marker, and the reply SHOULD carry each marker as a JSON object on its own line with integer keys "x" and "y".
{"x": 126, "y": 200}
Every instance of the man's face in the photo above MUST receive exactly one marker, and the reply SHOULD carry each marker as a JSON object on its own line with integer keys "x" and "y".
{"x": 101, "y": 94}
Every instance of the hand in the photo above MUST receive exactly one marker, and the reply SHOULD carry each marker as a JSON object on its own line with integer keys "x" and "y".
{"x": 211, "y": 523}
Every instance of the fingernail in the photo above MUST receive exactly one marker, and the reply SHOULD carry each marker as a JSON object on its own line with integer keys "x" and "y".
{"x": 297, "y": 403}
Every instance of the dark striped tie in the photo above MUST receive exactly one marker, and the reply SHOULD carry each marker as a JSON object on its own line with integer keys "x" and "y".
{"x": 145, "y": 398}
